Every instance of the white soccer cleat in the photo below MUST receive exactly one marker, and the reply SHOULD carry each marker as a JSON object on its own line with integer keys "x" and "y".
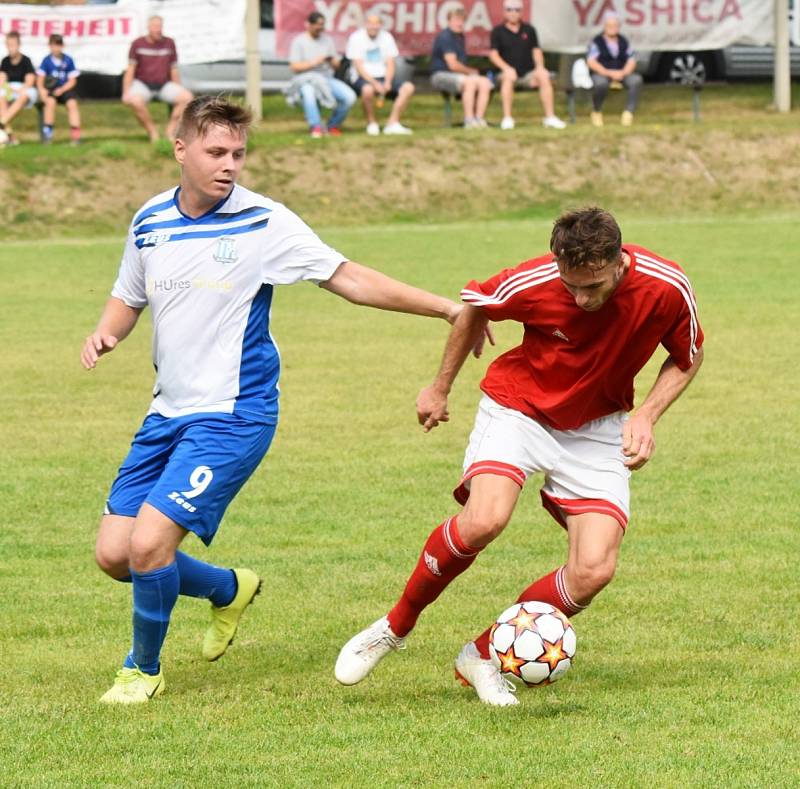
{"x": 396, "y": 128}
{"x": 507, "y": 123}
{"x": 365, "y": 650}
{"x": 373, "y": 130}
{"x": 484, "y": 677}
{"x": 553, "y": 123}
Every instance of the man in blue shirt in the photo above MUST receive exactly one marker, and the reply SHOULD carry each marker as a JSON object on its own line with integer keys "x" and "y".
{"x": 451, "y": 74}
{"x": 56, "y": 79}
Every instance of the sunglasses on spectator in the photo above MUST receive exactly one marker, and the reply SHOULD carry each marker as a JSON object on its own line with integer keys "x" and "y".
{"x": 513, "y": 8}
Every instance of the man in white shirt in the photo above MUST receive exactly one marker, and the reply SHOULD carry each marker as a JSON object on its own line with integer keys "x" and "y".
{"x": 205, "y": 257}
{"x": 372, "y": 51}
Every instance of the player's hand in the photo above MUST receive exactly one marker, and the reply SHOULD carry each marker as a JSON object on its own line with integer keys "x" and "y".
{"x": 432, "y": 408}
{"x": 638, "y": 444}
{"x": 95, "y": 346}
{"x": 488, "y": 334}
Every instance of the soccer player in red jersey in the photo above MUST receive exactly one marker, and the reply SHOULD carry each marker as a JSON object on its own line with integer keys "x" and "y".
{"x": 593, "y": 313}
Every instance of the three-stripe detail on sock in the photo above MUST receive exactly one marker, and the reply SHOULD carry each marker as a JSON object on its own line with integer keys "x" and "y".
{"x": 568, "y": 604}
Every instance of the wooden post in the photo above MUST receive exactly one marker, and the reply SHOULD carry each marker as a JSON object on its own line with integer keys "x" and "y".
{"x": 252, "y": 25}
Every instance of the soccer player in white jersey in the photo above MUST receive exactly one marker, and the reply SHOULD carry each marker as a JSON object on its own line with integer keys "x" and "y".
{"x": 205, "y": 257}
{"x": 593, "y": 313}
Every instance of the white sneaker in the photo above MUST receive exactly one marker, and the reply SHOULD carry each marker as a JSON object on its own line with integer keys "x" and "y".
{"x": 365, "y": 650}
{"x": 482, "y": 675}
{"x": 471, "y": 123}
{"x": 373, "y": 130}
{"x": 481, "y": 123}
{"x": 507, "y": 123}
{"x": 396, "y": 128}
{"x": 553, "y": 123}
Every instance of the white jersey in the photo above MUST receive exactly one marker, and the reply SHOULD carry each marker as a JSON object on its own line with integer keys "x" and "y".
{"x": 209, "y": 283}
{"x": 374, "y": 52}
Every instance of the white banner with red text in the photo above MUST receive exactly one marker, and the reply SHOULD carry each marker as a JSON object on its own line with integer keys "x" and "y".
{"x": 562, "y": 25}
{"x": 98, "y": 37}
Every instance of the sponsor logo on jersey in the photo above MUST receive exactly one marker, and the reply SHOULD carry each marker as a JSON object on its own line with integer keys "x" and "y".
{"x": 431, "y": 563}
{"x": 170, "y": 285}
{"x": 226, "y": 250}
{"x": 154, "y": 238}
{"x": 561, "y": 336}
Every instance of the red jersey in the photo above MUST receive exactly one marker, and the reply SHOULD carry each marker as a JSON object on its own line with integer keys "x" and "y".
{"x": 574, "y": 366}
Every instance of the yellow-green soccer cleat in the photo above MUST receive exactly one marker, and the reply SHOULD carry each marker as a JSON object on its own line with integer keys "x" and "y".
{"x": 134, "y": 687}
{"x": 225, "y": 620}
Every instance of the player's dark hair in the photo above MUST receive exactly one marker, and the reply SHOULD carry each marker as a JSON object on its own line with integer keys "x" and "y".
{"x": 588, "y": 237}
{"x": 206, "y": 111}
{"x": 315, "y": 17}
{"x": 56, "y": 38}
{"x": 13, "y": 34}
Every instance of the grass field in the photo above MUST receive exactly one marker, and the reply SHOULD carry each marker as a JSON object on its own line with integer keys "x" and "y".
{"x": 687, "y": 665}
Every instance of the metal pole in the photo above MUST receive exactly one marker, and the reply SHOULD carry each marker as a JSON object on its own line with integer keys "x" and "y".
{"x": 252, "y": 23}
{"x": 783, "y": 74}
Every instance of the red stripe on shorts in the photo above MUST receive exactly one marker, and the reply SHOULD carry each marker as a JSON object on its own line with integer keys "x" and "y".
{"x": 557, "y": 508}
{"x": 461, "y": 493}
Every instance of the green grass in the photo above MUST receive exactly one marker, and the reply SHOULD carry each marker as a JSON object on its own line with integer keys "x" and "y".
{"x": 687, "y": 665}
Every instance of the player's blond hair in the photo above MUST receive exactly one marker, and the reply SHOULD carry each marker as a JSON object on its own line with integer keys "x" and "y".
{"x": 586, "y": 238}
{"x": 206, "y": 111}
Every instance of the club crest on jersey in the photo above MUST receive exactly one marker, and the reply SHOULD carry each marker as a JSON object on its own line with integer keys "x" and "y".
{"x": 226, "y": 250}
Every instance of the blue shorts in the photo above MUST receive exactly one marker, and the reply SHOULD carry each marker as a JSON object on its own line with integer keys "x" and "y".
{"x": 189, "y": 468}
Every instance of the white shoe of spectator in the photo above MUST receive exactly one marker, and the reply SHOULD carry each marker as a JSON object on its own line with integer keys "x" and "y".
{"x": 396, "y": 128}
{"x": 471, "y": 123}
{"x": 507, "y": 123}
{"x": 553, "y": 123}
{"x": 481, "y": 123}
{"x": 373, "y": 129}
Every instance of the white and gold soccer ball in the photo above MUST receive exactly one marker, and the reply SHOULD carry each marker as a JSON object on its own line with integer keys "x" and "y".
{"x": 532, "y": 643}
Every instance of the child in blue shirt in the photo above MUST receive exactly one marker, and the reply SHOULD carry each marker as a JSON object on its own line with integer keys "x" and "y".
{"x": 56, "y": 79}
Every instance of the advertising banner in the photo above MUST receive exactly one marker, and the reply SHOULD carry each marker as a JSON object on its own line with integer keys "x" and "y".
{"x": 98, "y": 36}
{"x": 562, "y": 25}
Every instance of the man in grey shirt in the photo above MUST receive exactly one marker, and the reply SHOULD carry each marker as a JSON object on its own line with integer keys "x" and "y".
{"x": 313, "y": 59}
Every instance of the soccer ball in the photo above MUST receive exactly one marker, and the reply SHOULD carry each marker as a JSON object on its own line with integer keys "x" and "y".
{"x": 532, "y": 643}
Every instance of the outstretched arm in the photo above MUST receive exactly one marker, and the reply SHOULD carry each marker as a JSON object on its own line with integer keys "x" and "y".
{"x": 115, "y": 324}
{"x": 368, "y": 287}
{"x": 469, "y": 328}
{"x": 638, "y": 444}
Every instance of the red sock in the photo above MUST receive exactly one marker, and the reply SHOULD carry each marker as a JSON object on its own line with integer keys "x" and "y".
{"x": 548, "y": 589}
{"x": 444, "y": 557}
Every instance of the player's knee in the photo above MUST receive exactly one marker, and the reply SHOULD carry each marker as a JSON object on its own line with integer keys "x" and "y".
{"x": 147, "y": 552}
{"x": 112, "y": 560}
{"x": 367, "y": 92}
{"x": 407, "y": 89}
{"x": 479, "y": 527}
{"x": 591, "y": 576}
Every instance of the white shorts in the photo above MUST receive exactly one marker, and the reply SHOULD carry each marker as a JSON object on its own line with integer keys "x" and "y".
{"x": 14, "y": 89}
{"x": 169, "y": 92}
{"x": 584, "y": 469}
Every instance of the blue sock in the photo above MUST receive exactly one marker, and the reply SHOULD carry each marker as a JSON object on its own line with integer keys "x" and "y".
{"x": 199, "y": 579}
{"x": 154, "y": 596}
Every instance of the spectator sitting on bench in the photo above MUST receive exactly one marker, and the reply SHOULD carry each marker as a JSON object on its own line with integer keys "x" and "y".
{"x": 152, "y": 73}
{"x": 515, "y": 51}
{"x": 314, "y": 60}
{"x": 17, "y": 84}
{"x": 56, "y": 79}
{"x": 612, "y": 62}
{"x": 372, "y": 52}
{"x": 451, "y": 74}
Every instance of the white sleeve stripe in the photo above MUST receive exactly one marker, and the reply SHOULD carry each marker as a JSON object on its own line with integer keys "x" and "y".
{"x": 516, "y": 278}
{"x": 666, "y": 268}
{"x": 687, "y": 298}
{"x": 473, "y": 297}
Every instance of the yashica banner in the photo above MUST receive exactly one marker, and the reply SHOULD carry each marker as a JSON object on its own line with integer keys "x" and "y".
{"x": 562, "y": 25}
{"x": 98, "y": 37}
